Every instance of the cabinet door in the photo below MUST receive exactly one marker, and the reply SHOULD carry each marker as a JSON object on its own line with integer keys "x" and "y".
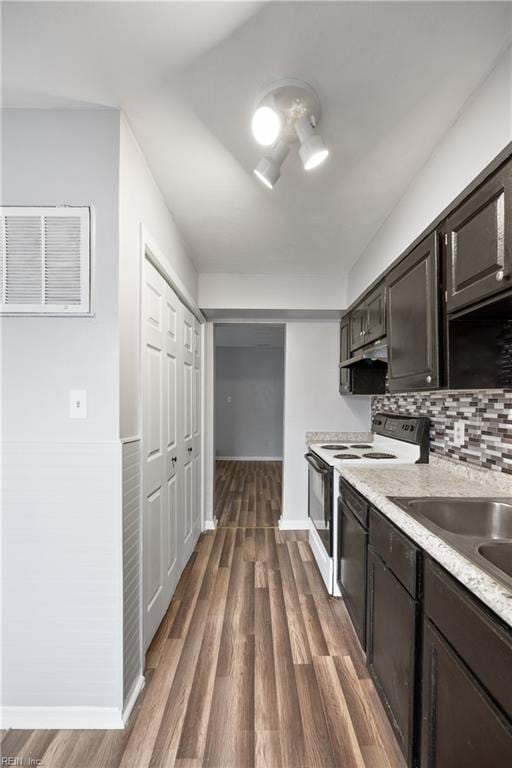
{"x": 344, "y": 355}
{"x": 353, "y": 541}
{"x": 357, "y": 326}
{"x": 461, "y": 728}
{"x": 375, "y": 315}
{"x": 390, "y": 649}
{"x": 479, "y": 248}
{"x": 412, "y": 299}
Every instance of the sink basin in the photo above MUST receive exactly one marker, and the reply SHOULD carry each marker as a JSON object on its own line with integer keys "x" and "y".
{"x": 480, "y": 518}
{"x": 499, "y": 553}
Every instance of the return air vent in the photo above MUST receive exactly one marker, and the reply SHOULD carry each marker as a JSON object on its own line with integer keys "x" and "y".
{"x": 45, "y": 261}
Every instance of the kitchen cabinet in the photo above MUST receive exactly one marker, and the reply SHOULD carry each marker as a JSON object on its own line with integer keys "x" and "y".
{"x": 368, "y": 319}
{"x": 344, "y": 373}
{"x": 392, "y": 628}
{"x": 479, "y": 242}
{"x": 352, "y": 556}
{"x": 375, "y": 314}
{"x": 357, "y": 326}
{"x": 467, "y": 697}
{"x": 413, "y": 308}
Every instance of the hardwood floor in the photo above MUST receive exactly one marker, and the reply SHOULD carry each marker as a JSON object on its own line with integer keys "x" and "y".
{"x": 248, "y": 493}
{"x": 253, "y": 665}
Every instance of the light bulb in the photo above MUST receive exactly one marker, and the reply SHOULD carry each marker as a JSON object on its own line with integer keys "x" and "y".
{"x": 266, "y": 126}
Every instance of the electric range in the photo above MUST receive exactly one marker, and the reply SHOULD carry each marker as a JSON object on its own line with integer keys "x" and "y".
{"x": 395, "y": 440}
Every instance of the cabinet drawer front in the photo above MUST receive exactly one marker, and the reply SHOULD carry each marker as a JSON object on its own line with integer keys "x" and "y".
{"x": 479, "y": 242}
{"x": 356, "y": 503}
{"x": 397, "y": 551}
{"x": 482, "y": 643}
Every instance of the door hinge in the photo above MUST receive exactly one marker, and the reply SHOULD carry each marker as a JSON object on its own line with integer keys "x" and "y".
{"x": 446, "y": 297}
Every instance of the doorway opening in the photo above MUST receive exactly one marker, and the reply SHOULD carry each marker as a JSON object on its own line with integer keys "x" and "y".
{"x": 249, "y": 423}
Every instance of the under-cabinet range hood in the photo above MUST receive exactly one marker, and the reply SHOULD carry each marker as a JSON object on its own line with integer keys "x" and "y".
{"x": 377, "y": 352}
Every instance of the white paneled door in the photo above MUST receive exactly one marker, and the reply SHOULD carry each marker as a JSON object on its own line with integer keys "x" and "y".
{"x": 187, "y": 374}
{"x": 171, "y": 500}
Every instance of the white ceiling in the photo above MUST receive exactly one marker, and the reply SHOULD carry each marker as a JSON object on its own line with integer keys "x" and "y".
{"x": 248, "y": 335}
{"x": 392, "y": 77}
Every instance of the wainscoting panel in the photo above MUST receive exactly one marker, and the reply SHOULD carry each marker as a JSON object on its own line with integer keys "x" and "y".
{"x": 132, "y": 543}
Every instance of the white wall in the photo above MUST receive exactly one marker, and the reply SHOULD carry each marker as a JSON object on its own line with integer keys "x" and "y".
{"x": 251, "y": 422}
{"x": 482, "y": 130}
{"x": 238, "y": 291}
{"x": 312, "y": 403}
{"x": 140, "y": 202}
{"x": 62, "y": 479}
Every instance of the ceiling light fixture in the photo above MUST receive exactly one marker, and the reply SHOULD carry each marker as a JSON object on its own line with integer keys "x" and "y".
{"x": 287, "y": 111}
{"x": 268, "y": 169}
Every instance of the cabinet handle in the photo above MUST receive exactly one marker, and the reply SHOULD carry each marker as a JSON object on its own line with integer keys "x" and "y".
{"x": 428, "y": 379}
{"x": 361, "y": 333}
{"x": 190, "y": 450}
{"x": 174, "y": 459}
{"x": 500, "y": 275}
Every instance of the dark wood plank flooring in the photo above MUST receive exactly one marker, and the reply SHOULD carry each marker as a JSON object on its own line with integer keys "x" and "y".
{"x": 248, "y": 493}
{"x": 253, "y": 665}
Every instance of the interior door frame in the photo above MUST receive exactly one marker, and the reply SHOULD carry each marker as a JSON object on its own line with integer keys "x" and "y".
{"x": 208, "y": 409}
{"x": 150, "y": 251}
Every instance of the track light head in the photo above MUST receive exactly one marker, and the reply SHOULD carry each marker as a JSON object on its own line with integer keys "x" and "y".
{"x": 312, "y": 150}
{"x": 268, "y": 169}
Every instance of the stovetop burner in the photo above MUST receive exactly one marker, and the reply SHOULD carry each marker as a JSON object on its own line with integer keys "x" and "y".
{"x": 378, "y": 455}
{"x": 335, "y": 447}
{"x": 361, "y": 446}
{"x": 347, "y": 456}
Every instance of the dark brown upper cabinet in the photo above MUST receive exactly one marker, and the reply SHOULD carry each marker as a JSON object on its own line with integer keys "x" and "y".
{"x": 344, "y": 355}
{"x": 368, "y": 319}
{"x": 479, "y": 242}
{"x": 413, "y": 308}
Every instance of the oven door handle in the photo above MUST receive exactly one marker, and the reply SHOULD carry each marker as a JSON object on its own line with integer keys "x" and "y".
{"x": 309, "y": 458}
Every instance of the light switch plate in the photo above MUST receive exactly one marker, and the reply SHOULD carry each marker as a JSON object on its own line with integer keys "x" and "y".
{"x": 77, "y": 404}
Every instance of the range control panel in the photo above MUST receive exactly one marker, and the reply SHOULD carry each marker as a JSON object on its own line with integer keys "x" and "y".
{"x": 410, "y": 429}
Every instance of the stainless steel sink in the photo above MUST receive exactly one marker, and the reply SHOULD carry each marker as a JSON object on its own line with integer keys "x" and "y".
{"x": 499, "y": 553}
{"x": 481, "y": 529}
{"x": 467, "y": 517}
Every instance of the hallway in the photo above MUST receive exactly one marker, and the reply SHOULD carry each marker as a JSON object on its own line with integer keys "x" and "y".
{"x": 253, "y": 665}
{"x": 248, "y": 493}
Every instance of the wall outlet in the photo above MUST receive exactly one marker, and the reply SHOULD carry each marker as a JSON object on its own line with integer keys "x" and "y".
{"x": 77, "y": 404}
{"x": 459, "y": 433}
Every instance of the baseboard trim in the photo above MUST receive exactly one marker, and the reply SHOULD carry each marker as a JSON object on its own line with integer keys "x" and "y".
{"x": 61, "y": 718}
{"x": 133, "y": 696}
{"x": 248, "y": 458}
{"x": 293, "y": 525}
{"x": 210, "y": 525}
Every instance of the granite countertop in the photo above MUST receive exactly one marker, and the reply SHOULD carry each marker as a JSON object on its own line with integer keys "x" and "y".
{"x": 438, "y": 478}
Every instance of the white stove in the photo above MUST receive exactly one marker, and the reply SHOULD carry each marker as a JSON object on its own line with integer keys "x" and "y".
{"x": 395, "y": 440}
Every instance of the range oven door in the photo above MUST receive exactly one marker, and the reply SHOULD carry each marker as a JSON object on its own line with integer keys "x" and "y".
{"x": 320, "y": 499}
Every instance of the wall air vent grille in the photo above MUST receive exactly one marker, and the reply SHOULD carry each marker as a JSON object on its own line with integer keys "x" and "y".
{"x": 45, "y": 261}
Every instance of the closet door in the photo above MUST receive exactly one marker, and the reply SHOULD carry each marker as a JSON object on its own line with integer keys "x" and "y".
{"x": 154, "y": 452}
{"x": 172, "y": 561}
{"x": 187, "y": 441}
{"x": 196, "y": 432}
{"x": 161, "y": 558}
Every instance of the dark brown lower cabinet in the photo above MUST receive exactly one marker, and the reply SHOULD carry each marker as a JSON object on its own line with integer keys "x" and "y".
{"x": 462, "y": 728}
{"x": 352, "y": 549}
{"x": 391, "y": 650}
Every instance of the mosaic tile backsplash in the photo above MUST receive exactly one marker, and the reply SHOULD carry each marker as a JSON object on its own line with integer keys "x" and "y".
{"x": 487, "y": 415}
